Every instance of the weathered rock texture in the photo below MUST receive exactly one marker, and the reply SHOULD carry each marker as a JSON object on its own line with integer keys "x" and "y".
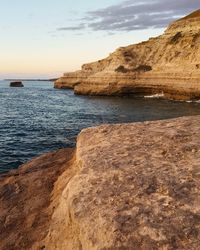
{"x": 25, "y": 200}
{"x": 168, "y": 64}
{"x": 131, "y": 186}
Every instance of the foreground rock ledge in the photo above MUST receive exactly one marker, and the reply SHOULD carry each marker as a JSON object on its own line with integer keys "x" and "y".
{"x": 131, "y": 186}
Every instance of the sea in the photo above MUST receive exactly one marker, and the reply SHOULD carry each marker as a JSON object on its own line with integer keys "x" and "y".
{"x": 38, "y": 118}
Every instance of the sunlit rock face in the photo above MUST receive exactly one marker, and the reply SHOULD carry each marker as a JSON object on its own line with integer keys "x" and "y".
{"x": 168, "y": 64}
{"x": 126, "y": 186}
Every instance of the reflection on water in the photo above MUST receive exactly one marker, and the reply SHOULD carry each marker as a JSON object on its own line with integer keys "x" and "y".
{"x": 38, "y": 118}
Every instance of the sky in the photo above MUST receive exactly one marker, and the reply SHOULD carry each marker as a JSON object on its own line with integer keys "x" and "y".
{"x": 45, "y": 38}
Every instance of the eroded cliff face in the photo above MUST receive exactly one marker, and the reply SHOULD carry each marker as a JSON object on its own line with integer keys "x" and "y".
{"x": 168, "y": 64}
{"x": 130, "y": 186}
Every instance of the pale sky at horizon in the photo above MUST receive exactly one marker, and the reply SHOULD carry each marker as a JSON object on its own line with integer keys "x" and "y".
{"x": 45, "y": 38}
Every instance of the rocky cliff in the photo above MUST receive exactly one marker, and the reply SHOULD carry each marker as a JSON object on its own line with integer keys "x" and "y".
{"x": 137, "y": 187}
{"x": 168, "y": 64}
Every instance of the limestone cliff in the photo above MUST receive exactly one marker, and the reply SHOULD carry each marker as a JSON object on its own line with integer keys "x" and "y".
{"x": 168, "y": 64}
{"x": 137, "y": 187}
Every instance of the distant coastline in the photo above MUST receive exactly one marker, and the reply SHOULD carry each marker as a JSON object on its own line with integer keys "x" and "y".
{"x": 40, "y": 80}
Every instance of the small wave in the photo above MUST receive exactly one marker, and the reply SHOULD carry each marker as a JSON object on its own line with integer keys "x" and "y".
{"x": 193, "y": 101}
{"x": 154, "y": 96}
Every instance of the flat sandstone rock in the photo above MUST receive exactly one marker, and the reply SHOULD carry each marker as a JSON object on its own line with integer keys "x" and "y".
{"x": 128, "y": 186}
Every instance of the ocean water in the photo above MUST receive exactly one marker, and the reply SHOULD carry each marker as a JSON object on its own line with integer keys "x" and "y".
{"x": 38, "y": 118}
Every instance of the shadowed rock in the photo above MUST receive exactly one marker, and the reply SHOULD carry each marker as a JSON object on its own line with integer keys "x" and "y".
{"x": 25, "y": 200}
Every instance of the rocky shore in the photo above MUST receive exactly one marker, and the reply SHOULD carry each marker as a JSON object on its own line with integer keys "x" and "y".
{"x": 126, "y": 186}
{"x": 168, "y": 64}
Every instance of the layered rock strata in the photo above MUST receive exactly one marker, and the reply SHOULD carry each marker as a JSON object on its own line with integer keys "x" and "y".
{"x": 168, "y": 64}
{"x": 130, "y": 186}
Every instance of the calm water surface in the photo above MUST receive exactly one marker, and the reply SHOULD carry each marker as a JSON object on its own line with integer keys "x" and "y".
{"x": 38, "y": 118}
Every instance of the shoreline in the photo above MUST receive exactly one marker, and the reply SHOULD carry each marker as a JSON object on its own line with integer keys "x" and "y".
{"x": 133, "y": 90}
